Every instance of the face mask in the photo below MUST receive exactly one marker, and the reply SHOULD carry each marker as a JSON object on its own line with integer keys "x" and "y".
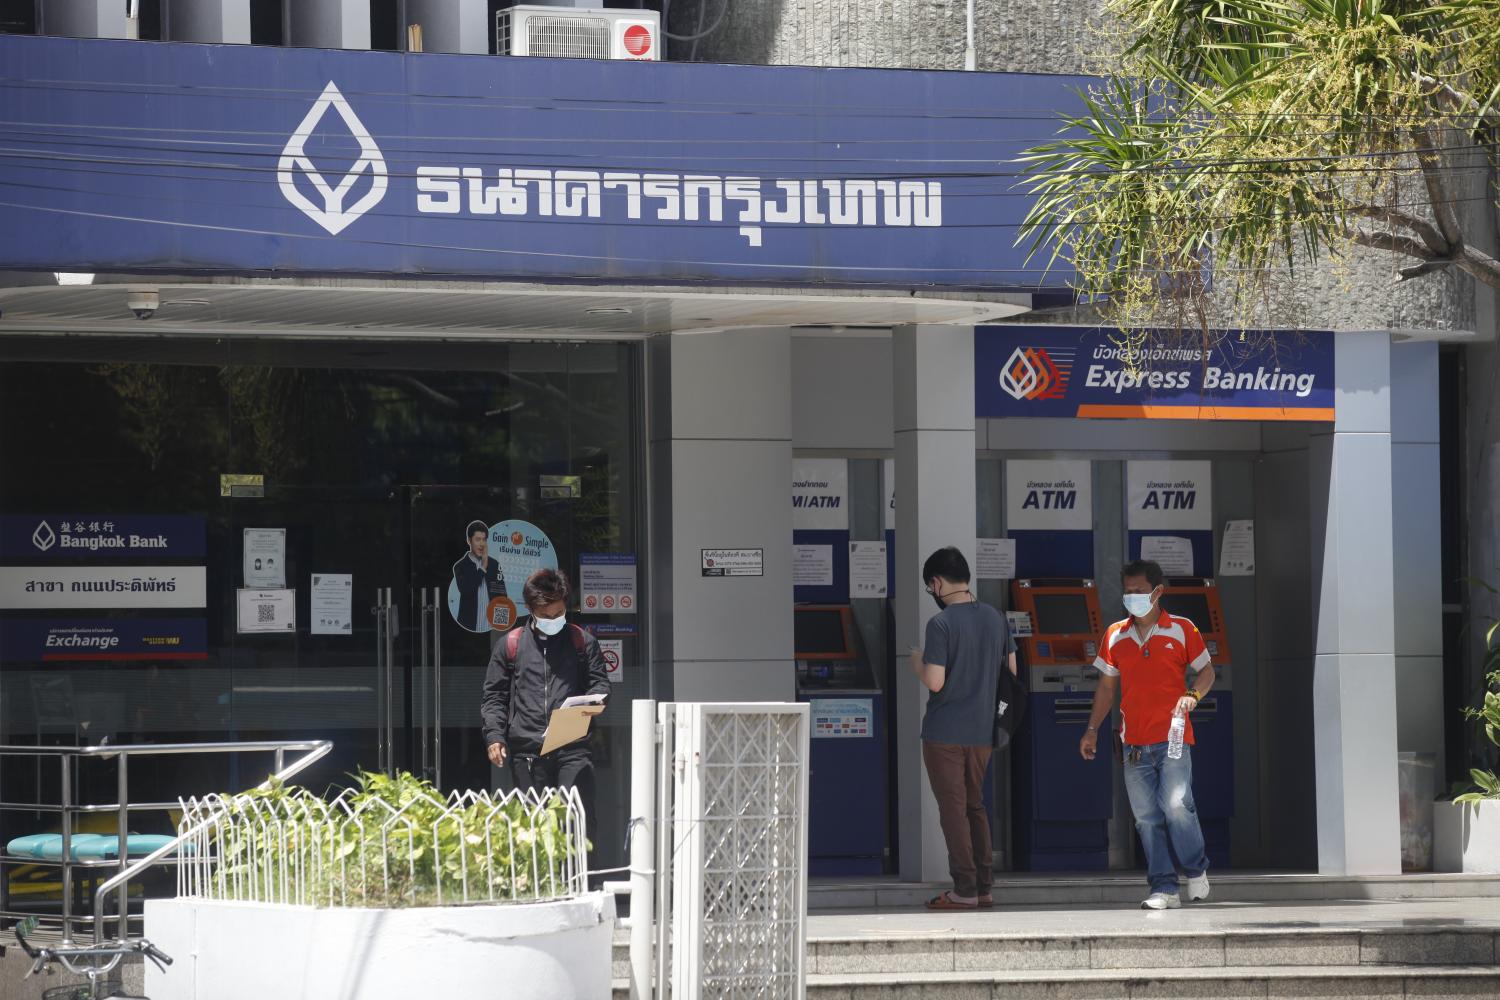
{"x": 551, "y": 626}
{"x": 1139, "y": 605}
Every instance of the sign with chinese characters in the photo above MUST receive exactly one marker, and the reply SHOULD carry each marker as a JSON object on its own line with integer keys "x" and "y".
{"x": 80, "y": 537}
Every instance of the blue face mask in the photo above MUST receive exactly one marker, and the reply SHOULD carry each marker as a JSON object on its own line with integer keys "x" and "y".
{"x": 551, "y": 626}
{"x": 1139, "y": 605}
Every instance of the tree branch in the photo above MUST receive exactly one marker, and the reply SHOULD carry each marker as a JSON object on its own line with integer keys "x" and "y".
{"x": 1480, "y": 264}
{"x": 1421, "y": 227}
{"x": 1459, "y": 100}
{"x": 1391, "y": 241}
{"x": 1431, "y": 162}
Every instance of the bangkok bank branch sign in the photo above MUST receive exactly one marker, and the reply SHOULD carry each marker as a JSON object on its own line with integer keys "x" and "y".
{"x": 1029, "y": 371}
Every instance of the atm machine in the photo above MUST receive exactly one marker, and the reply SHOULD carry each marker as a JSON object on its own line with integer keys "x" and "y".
{"x": 1197, "y": 599}
{"x": 1063, "y": 803}
{"x": 849, "y": 784}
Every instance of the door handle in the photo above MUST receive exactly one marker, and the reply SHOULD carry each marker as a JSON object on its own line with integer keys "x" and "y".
{"x": 437, "y": 687}
{"x": 381, "y": 611}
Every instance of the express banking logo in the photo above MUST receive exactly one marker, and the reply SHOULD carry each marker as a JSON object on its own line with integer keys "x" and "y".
{"x": 332, "y": 214}
{"x": 1033, "y": 373}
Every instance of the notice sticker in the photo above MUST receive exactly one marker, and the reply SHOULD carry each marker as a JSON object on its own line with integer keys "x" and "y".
{"x": 266, "y": 611}
{"x": 734, "y": 562}
{"x": 614, "y": 658}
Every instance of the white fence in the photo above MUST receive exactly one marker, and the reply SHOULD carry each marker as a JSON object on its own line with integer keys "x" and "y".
{"x": 732, "y": 851}
{"x": 362, "y": 851}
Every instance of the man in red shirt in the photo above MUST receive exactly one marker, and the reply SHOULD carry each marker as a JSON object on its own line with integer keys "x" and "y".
{"x": 1150, "y": 657}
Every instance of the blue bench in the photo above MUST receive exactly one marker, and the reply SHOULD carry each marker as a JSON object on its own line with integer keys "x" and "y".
{"x": 84, "y": 846}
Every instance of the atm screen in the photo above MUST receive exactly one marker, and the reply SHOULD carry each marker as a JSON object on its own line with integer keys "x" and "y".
{"x": 1062, "y": 614}
{"x": 1193, "y": 607}
{"x": 820, "y": 633}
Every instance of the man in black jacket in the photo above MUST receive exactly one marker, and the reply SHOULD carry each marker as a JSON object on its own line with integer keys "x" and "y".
{"x": 543, "y": 662}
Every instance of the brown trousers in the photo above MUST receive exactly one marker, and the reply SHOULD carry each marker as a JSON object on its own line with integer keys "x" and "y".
{"x": 957, "y": 776}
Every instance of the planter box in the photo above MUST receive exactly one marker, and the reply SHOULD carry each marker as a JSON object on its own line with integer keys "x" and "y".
{"x": 251, "y": 951}
{"x": 1466, "y": 838}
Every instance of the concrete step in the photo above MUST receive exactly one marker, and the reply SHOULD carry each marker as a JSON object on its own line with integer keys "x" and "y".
{"x": 1230, "y": 951}
{"x": 1078, "y": 889}
{"x": 1355, "y": 982}
{"x": 1301, "y": 982}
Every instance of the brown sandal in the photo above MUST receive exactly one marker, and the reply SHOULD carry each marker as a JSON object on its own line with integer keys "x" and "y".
{"x": 986, "y": 900}
{"x": 945, "y": 901}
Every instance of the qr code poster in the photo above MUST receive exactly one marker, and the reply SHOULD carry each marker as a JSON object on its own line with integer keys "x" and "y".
{"x": 267, "y": 611}
{"x": 486, "y": 590}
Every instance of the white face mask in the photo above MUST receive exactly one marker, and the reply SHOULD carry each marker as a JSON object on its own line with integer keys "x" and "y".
{"x": 551, "y": 626}
{"x": 1139, "y": 605}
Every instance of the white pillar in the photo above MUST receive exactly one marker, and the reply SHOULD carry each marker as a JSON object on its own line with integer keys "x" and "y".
{"x": 721, "y": 477}
{"x": 331, "y": 24}
{"x": 936, "y": 500}
{"x": 83, "y": 18}
{"x": 452, "y": 25}
{"x": 211, "y": 21}
{"x": 1416, "y": 514}
{"x": 1354, "y": 677}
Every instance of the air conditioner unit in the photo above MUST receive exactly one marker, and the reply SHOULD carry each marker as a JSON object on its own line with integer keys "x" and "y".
{"x": 578, "y": 33}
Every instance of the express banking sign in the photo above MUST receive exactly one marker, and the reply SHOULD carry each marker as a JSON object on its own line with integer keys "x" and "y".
{"x": 258, "y": 160}
{"x": 1039, "y": 371}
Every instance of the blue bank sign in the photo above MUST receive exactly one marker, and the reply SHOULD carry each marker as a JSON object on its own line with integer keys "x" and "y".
{"x": 83, "y": 538}
{"x": 1049, "y": 371}
{"x": 259, "y": 160}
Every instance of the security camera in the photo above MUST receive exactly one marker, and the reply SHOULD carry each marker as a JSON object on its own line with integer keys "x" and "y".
{"x": 143, "y": 304}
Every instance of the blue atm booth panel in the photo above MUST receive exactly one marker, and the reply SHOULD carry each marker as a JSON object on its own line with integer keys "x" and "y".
{"x": 847, "y": 821}
{"x": 1213, "y": 772}
{"x": 1063, "y": 802}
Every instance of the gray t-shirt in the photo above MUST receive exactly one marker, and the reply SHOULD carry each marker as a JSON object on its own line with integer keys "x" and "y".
{"x": 970, "y": 640}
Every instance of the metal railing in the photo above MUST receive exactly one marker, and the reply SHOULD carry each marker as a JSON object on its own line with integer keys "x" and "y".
{"x": 68, "y": 809}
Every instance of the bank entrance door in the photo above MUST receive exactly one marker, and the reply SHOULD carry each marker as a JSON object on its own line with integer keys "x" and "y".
{"x": 377, "y": 660}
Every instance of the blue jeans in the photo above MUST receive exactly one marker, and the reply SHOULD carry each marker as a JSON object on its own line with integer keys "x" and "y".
{"x": 1161, "y": 796}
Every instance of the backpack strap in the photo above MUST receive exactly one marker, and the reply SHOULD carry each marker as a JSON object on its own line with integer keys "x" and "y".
{"x": 512, "y": 645}
{"x": 580, "y": 638}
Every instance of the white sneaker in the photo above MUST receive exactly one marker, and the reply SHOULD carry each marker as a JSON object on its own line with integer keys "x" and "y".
{"x": 1198, "y": 888}
{"x": 1162, "y": 901}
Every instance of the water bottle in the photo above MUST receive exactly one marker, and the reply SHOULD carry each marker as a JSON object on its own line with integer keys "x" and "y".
{"x": 1175, "y": 736}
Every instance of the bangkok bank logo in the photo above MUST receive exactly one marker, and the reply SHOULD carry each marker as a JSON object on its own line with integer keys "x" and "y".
{"x": 1033, "y": 373}
{"x": 43, "y": 537}
{"x": 332, "y": 214}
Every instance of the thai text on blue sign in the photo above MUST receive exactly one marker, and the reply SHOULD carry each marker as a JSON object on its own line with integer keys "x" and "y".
{"x": 41, "y": 640}
{"x": 1039, "y": 371}
{"x": 82, "y": 537}
{"x": 376, "y": 164}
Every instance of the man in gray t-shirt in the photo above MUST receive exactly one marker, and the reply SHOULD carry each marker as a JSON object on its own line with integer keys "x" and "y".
{"x": 960, "y": 663}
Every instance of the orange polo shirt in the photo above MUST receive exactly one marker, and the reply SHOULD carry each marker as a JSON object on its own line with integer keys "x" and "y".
{"x": 1153, "y": 674}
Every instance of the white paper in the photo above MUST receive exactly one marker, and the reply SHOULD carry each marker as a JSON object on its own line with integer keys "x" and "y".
{"x": 332, "y": 610}
{"x": 607, "y": 583}
{"x": 1169, "y": 496}
{"x": 1173, "y": 554}
{"x": 1020, "y": 623}
{"x": 820, "y": 494}
{"x": 267, "y": 611}
{"x": 265, "y": 558}
{"x": 583, "y": 699}
{"x": 614, "y": 658}
{"x": 867, "y": 569}
{"x": 997, "y": 559}
{"x": 1049, "y": 495}
{"x": 812, "y": 565}
{"x": 1237, "y": 551}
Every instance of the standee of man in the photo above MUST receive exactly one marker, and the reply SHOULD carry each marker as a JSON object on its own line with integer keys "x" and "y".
{"x": 478, "y": 577}
{"x": 1148, "y": 658}
{"x": 533, "y": 669}
{"x": 966, "y": 645}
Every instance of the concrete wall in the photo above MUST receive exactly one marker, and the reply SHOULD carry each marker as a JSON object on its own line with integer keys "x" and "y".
{"x": 83, "y": 18}
{"x": 841, "y": 393}
{"x": 451, "y": 25}
{"x": 331, "y": 24}
{"x": 721, "y": 471}
{"x": 210, "y": 21}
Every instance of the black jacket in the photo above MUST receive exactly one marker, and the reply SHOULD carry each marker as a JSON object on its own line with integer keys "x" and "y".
{"x": 469, "y": 577}
{"x": 519, "y": 697}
